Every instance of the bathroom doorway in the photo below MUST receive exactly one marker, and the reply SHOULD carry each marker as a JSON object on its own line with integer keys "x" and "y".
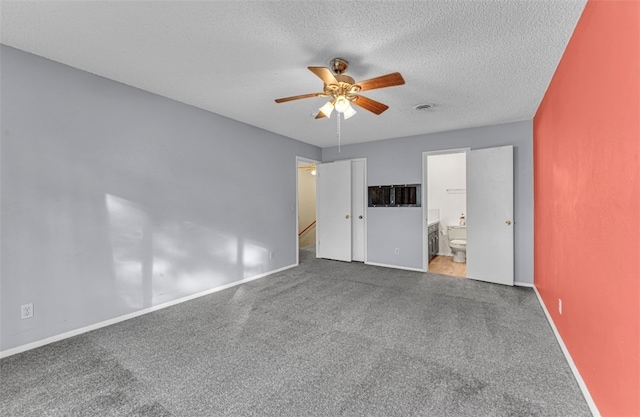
{"x": 445, "y": 198}
{"x": 488, "y": 190}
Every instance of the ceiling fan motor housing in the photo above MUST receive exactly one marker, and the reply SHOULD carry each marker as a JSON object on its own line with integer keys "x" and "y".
{"x": 346, "y": 87}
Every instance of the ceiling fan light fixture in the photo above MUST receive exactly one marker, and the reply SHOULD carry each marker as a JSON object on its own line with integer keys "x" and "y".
{"x": 342, "y": 104}
{"x": 349, "y": 112}
{"x": 327, "y": 109}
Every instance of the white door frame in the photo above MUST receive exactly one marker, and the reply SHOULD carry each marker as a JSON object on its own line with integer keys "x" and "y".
{"x": 304, "y": 160}
{"x": 425, "y": 200}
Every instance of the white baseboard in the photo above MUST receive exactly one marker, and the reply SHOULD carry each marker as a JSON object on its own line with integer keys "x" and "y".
{"x": 66, "y": 335}
{"x": 523, "y": 284}
{"x": 395, "y": 267}
{"x": 572, "y": 365}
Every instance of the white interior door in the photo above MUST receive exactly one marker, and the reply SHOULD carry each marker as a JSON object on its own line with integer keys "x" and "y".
{"x": 357, "y": 210}
{"x": 334, "y": 210}
{"x": 490, "y": 215}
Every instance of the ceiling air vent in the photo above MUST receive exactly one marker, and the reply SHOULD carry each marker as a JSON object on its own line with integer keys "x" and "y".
{"x": 425, "y": 107}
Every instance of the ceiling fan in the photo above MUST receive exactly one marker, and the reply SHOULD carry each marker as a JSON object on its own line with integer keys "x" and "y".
{"x": 343, "y": 90}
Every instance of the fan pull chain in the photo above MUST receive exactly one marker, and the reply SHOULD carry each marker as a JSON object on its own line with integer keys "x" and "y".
{"x": 338, "y": 131}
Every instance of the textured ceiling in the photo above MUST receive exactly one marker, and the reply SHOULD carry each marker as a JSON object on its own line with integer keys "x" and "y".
{"x": 478, "y": 62}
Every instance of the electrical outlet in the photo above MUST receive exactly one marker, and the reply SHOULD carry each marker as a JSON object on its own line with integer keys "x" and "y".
{"x": 397, "y": 251}
{"x": 560, "y": 305}
{"x": 26, "y": 311}
{"x": 270, "y": 255}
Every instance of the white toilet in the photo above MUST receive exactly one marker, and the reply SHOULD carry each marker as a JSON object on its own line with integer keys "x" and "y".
{"x": 457, "y": 236}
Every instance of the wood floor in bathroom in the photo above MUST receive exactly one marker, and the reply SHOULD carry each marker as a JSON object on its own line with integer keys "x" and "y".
{"x": 444, "y": 265}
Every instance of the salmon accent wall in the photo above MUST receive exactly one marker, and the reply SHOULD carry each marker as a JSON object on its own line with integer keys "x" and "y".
{"x": 587, "y": 203}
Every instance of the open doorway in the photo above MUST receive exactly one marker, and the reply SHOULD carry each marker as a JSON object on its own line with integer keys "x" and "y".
{"x": 446, "y": 208}
{"x": 485, "y": 227}
{"x": 306, "y": 207}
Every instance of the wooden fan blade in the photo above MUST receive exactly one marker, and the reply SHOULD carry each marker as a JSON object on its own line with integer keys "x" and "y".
{"x": 324, "y": 74}
{"x": 283, "y": 100}
{"x": 371, "y": 105}
{"x": 320, "y": 115}
{"x": 382, "y": 81}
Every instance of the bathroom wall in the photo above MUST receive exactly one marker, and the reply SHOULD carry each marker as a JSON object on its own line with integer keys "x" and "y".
{"x": 587, "y": 202}
{"x": 399, "y": 161}
{"x": 115, "y": 200}
{"x": 446, "y": 191}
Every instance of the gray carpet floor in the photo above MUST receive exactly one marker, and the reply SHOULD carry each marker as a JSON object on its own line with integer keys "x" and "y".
{"x": 323, "y": 339}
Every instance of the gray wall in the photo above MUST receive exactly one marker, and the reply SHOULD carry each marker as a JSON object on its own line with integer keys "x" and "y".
{"x": 399, "y": 161}
{"x": 115, "y": 199}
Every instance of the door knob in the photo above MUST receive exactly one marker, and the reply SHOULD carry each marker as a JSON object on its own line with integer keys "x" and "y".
{"x": 360, "y": 217}
{"x": 508, "y": 222}
{"x": 347, "y": 217}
